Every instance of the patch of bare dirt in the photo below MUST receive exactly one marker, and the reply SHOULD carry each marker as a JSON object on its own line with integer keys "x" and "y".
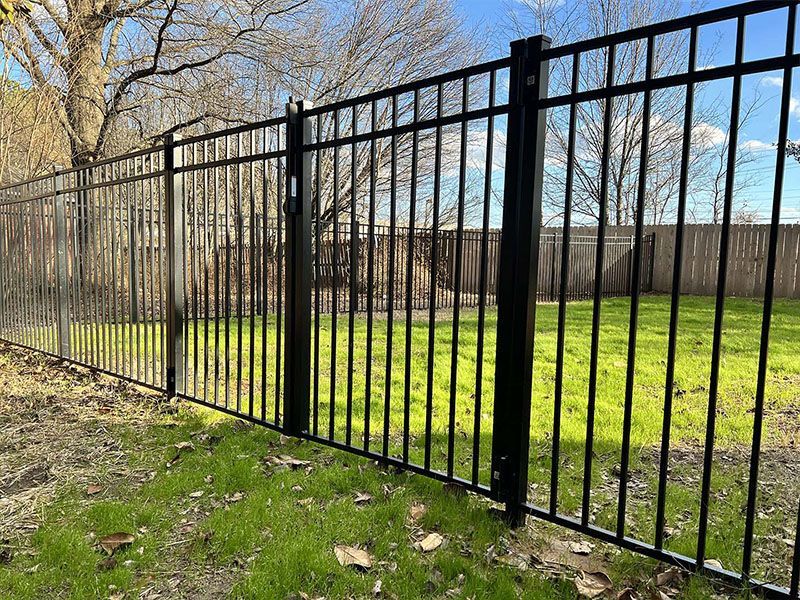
{"x": 56, "y": 421}
{"x": 58, "y": 425}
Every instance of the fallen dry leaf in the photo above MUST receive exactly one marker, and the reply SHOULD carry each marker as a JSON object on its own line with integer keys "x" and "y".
{"x": 197, "y": 494}
{"x": 628, "y": 594}
{"x": 240, "y": 425}
{"x": 110, "y": 543}
{"x": 591, "y": 585}
{"x": 235, "y": 497}
{"x": 431, "y": 542}
{"x": 582, "y": 548}
{"x": 668, "y": 577}
{"x": 363, "y": 498}
{"x": 417, "y": 511}
{"x": 93, "y": 489}
{"x": 712, "y": 562}
{"x": 291, "y": 462}
{"x": 376, "y": 589}
{"x": 351, "y": 556}
{"x": 181, "y": 447}
{"x": 517, "y": 561}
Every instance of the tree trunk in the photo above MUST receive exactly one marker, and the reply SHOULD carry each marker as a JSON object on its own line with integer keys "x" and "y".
{"x": 84, "y": 106}
{"x": 84, "y": 102}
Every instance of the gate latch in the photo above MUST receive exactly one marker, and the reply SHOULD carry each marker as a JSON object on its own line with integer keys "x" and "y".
{"x": 292, "y": 205}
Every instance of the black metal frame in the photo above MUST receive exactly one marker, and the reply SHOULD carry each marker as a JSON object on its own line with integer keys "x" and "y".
{"x": 158, "y": 210}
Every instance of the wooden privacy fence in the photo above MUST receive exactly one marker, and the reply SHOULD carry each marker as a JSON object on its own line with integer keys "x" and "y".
{"x": 746, "y": 260}
{"x": 336, "y": 254}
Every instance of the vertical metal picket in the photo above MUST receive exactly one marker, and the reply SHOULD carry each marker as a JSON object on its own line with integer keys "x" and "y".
{"x": 173, "y": 195}
{"x": 519, "y": 274}
{"x": 62, "y": 295}
{"x": 297, "y": 363}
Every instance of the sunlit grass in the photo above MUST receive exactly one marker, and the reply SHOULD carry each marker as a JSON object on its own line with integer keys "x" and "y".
{"x": 207, "y": 347}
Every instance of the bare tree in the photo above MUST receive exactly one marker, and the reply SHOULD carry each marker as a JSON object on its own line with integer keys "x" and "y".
{"x": 98, "y": 60}
{"x": 360, "y": 46}
{"x": 29, "y": 140}
{"x": 124, "y": 72}
{"x": 584, "y": 19}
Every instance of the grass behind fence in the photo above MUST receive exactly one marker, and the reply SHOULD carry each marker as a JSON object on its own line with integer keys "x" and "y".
{"x": 739, "y": 362}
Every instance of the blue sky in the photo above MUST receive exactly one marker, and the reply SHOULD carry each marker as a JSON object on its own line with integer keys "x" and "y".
{"x": 765, "y": 37}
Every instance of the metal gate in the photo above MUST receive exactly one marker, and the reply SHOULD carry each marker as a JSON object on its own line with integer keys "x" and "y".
{"x": 197, "y": 268}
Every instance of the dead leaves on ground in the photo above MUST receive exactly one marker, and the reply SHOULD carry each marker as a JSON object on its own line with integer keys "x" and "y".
{"x": 362, "y": 498}
{"x": 429, "y": 543}
{"x": 584, "y": 548}
{"x": 577, "y": 560}
{"x": 417, "y": 511}
{"x": 591, "y": 585}
{"x": 669, "y": 577}
{"x": 181, "y": 447}
{"x": 111, "y": 543}
{"x": 352, "y": 556}
{"x": 284, "y": 462}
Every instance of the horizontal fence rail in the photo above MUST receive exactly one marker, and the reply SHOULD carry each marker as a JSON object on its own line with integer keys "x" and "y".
{"x": 371, "y": 274}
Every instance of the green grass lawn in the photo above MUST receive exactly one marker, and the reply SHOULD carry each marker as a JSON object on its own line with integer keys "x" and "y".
{"x": 739, "y": 362}
{"x": 225, "y": 521}
{"x": 260, "y": 531}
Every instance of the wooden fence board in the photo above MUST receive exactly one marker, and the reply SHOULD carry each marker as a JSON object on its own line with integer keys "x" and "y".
{"x": 746, "y": 260}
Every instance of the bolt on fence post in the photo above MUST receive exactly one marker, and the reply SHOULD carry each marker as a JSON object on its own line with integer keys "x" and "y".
{"x": 297, "y": 363}
{"x": 62, "y": 297}
{"x": 173, "y": 194}
{"x": 519, "y": 275}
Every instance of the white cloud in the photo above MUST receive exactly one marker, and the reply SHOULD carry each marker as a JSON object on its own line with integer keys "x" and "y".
{"x": 794, "y": 107}
{"x": 707, "y": 135}
{"x": 756, "y": 145}
{"x": 476, "y": 149}
{"x": 772, "y": 81}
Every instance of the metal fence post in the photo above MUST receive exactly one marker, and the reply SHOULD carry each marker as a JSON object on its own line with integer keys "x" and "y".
{"x": 553, "y": 269}
{"x": 297, "y": 362}
{"x": 173, "y": 195}
{"x": 133, "y": 269}
{"x": 519, "y": 275}
{"x": 652, "y": 261}
{"x": 62, "y": 297}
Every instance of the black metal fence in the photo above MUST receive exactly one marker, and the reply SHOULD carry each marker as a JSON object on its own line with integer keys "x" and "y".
{"x": 217, "y": 269}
